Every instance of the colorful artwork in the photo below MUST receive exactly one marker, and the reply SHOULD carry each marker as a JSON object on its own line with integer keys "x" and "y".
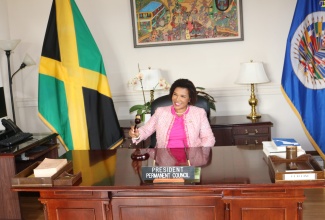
{"x": 172, "y": 22}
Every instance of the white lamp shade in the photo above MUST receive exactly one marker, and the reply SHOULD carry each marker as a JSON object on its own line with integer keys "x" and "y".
{"x": 9, "y": 44}
{"x": 150, "y": 79}
{"x": 28, "y": 60}
{"x": 252, "y": 73}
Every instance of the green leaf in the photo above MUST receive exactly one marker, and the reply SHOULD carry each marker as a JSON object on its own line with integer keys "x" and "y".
{"x": 201, "y": 88}
{"x": 136, "y": 108}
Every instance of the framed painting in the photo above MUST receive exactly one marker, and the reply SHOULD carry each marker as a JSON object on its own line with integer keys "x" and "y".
{"x": 175, "y": 22}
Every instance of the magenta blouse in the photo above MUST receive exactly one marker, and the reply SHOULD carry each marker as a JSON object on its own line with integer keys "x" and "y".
{"x": 177, "y": 137}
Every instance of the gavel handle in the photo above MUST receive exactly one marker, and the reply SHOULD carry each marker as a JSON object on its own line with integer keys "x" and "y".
{"x": 137, "y": 121}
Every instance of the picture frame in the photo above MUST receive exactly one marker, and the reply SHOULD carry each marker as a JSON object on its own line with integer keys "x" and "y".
{"x": 178, "y": 22}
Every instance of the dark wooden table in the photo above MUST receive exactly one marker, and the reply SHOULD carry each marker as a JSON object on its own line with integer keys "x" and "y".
{"x": 234, "y": 184}
{"x": 14, "y": 159}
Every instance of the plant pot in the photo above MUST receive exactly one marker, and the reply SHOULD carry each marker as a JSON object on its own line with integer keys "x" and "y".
{"x": 147, "y": 117}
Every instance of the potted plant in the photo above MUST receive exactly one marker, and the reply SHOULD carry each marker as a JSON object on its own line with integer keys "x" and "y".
{"x": 145, "y": 108}
{"x": 211, "y": 100}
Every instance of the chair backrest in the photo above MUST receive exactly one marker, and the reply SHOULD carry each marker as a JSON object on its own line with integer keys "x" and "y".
{"x": 166, "y": 100}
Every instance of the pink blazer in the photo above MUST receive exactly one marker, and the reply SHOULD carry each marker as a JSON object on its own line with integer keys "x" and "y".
{"x": 197, "y": 127}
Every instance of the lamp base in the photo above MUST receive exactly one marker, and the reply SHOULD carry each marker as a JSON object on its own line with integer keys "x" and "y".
{"x": 250, "y": 116}
{"x": 253, "y": 103}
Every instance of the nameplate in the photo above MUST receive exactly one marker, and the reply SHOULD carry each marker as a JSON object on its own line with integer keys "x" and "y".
{"x": 299, "y": 176}
{"x": 168, "y": 172}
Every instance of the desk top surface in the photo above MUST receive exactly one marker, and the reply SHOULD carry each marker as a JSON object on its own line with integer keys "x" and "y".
{"x": 231, "y": 166}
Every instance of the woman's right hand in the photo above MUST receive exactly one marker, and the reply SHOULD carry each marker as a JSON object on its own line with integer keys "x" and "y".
{"x": 134, "y": 133}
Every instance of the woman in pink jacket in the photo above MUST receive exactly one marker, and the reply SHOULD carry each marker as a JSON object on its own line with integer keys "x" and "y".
{"x": 180, "y": 125}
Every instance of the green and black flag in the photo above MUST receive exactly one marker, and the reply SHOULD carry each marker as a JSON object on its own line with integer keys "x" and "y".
{"x": 74, "y": 98}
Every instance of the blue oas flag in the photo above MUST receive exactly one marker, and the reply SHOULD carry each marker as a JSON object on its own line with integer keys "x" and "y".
{"x": 74, "y": 98}
{"x": 303, "y": 79}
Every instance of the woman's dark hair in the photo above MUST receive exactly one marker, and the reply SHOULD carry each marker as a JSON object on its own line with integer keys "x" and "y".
{"x": 187, "y": 84}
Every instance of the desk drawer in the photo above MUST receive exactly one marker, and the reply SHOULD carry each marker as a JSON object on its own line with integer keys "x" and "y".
{"x": 251, "y": 130}
{"x": 246, "y": 140}
{"x": 70, "y": 194}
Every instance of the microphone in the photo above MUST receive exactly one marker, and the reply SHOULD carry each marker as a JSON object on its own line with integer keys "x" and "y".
{"x": 154, "y": 159}
{"x": 188, "y": 160}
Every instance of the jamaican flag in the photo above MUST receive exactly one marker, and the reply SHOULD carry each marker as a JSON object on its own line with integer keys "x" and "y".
{"x": 74, "y": 98}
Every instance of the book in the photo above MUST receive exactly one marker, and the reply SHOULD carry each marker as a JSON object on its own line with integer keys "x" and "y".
{"x": 49, "y": 167}
{"x": 282, "y": 143}
{"x": 268, "y": 149}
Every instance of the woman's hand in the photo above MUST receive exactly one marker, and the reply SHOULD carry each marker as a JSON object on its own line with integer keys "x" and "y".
{"x": 134, "y": 133}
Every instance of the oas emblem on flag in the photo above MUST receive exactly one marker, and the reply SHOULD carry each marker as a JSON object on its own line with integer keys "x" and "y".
{"x": 322, "y": 3}
{"x": 308, "y": 51}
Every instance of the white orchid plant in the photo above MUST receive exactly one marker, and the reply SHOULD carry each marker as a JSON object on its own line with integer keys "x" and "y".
{"x": 146, "y": 107}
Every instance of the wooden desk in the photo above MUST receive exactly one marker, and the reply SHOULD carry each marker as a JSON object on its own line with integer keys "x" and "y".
{"x": 16, "y": 158}
{"x": 235, "y": 184}
{"x": 228, "y": 130}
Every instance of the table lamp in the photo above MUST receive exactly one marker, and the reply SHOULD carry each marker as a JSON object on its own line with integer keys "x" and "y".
{"x": 252, "y": 73}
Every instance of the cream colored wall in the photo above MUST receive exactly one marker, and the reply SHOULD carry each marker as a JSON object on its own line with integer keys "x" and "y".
{"x": 213, "y": 65}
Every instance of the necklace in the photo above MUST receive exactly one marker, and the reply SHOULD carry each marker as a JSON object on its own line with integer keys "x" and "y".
{"x": 180, "y": 113}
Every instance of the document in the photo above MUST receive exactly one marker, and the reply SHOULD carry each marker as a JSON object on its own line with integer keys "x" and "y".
{"x": 281, "y": 143}
{"x": 48, "y": 167}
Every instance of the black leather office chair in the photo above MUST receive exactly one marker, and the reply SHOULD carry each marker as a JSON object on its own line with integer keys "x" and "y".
{"x": 166, "y": 100}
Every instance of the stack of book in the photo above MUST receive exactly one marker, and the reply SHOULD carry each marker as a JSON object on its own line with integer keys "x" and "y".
{"x": 278, "y": 146}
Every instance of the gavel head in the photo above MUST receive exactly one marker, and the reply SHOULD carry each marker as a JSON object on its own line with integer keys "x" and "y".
{"x": 137, "y": 119}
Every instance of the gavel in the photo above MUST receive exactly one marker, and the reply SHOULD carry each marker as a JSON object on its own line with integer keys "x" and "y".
{"x": 137, "y": 155}
{"x": 137, "y": 121}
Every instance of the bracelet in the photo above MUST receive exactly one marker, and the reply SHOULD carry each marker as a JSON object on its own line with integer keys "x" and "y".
{"x": 137, "y": 138}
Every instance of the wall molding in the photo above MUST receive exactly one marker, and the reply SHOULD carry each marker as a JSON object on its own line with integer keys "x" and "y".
{"x": 217, "y": 93}
{"x": 230, "y": 91}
